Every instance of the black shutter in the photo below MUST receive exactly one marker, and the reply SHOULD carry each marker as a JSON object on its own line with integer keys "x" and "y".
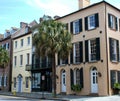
{"x": 117, "y": 50}
{"x": 71, "y": 55}
{"x": 86, "y": 23}
{"x": 81, "y": 51}
{"x": 97, "y": 48}
{"x": 113, "y": 78}
{"x": 109, "y": 22}
{"x": 110, "y": 46}
{"x": 71, "y": 27}
{"x": 96, "y": 20}
{"x": 86, "y": 51}
{"x": 81, "y": 78}
{"x": 72, "y": 78}
{"x": 118, "y": 76}
{"x": 116, "y": 22}
{"x": 58, "y": 59}
{"x": 80, "y": 25}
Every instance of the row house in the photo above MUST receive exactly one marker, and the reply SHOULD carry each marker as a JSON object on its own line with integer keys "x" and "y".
{"x": 41, "y": 69}
{"x": 5, "y": 73}
{"x": 94, "y": 59}
{"x": 22, "y": 55}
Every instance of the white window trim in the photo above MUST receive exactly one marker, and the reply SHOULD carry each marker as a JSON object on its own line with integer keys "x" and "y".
{"x": 89, "y": 47}
{"x": 5, "y": 81}
{"x": 91, "y": 27}
{"x": 75, "y": 27}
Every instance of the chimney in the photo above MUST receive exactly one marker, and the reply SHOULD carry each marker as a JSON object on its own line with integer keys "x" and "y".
{"x": 23, "y": 24}
{"x": 83, "y": 3}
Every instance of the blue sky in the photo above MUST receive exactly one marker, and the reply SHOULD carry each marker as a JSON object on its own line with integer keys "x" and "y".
{"x": 12, "y": 12}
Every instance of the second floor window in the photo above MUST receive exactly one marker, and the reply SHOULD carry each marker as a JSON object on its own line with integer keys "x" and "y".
{"x": 22, "y": 42}
{"x": 28, "y": 40}
{"x": 92, "y": 50}
{"x": 76, "y": 26}
{"x": 91, "y": 22}
{"x": 112, "y": 22}
{"x": 21, "y": 60}
{"x": 114, "y": 49}
{"x": 28, "y": 58}
{"x": 15, "y": 60}
{"x": 77, "y": 52}
{"x": 15, "y": 44}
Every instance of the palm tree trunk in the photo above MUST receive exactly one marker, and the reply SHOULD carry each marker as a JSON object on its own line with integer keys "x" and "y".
{"x": 53, "y": 76}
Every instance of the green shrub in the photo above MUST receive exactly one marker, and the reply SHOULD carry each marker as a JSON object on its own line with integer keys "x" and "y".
{"x": 116, "y": 86}
{"x": 76, "y": 88}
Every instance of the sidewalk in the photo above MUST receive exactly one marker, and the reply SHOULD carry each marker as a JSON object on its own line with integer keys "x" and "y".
{"x": 48, "y": 96}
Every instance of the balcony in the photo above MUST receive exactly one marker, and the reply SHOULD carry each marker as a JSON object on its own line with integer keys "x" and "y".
{"x": 42, "y": 66}
{"x": 28, "y": 67}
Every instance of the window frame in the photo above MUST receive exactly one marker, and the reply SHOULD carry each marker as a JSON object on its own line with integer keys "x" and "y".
{"x": 92, "y": 52}
{"x": 91, "y": 22}
{"x": 21, "y": 60}
{"x": 76, "y": 26}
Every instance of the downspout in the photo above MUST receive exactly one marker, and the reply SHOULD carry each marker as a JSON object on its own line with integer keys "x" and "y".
{"x": 107, "y": 52}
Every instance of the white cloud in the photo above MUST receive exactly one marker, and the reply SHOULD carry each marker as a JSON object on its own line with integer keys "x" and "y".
{"x": 51, "y": 7}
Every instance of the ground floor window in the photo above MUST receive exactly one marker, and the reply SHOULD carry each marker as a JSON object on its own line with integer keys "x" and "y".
{"x": 36, "y": 80}
{"x": 0, "y": 81}
{"x": 26, "y": 82}
{"x": 115, "y": 77}
{"x": 14, "y": 82}
{"x": 38, "y": 84}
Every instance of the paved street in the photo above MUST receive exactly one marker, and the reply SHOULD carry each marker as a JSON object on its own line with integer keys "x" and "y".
{"x": 11, "y": 98}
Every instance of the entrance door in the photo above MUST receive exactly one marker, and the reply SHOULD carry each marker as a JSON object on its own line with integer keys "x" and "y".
{"x": 94, "y": 80}
{"x": 19, "y": 83}
{"x": 63, "y": 81}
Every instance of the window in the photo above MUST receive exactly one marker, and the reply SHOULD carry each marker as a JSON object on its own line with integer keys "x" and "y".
{"x": 15, "y": 60}
{"x": 62, "y": 61}
{"x": 28, "y": 58}
{"x": 28, "y": 40}
{"x": 76, "y": 26}
{"x": 91, "y": 22}
{"x": 5, "y": 81}
{"x": 112, "y": 22}
{"x": 14, "y": 82}
{"x": 7, "y": 46}
{"x": 21, "y": 42}
{"x": 114, "y": 50}
{"x": 0, "y": 81}
{"x": 76, "y": 77}
{"x": 26, "y": 82}
{"x": 21, "y": 60}
{"x": 36, "y": 80}
{"x": 15, "y": 44}
{"x": 115, "y": 77}
{"x": 77, "y": 51}
{"x": 92, "y": 50}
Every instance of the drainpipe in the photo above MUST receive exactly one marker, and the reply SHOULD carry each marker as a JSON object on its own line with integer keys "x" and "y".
{"x": 107, "y": 52}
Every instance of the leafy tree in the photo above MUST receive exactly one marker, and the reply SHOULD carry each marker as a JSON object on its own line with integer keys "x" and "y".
{"x": 52, "y": 38}
{"x": 4, "y": 58}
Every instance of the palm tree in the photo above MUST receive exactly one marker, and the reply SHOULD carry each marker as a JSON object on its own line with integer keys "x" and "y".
{"x": 4, "y": 59}
{"x": 52, "y": 38}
